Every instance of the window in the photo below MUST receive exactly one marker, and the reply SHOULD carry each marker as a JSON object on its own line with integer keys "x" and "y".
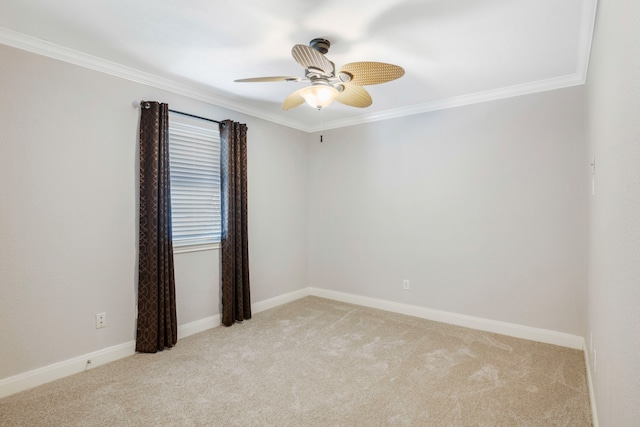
{"x": 194, "y": 161}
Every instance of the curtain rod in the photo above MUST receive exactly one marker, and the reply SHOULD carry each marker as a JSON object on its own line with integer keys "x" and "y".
{"x": 144, "y": 104}
{"x": 194, "y": 116}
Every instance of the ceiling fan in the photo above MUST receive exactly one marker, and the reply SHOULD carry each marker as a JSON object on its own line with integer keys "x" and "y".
{"x": 345, "y": 86}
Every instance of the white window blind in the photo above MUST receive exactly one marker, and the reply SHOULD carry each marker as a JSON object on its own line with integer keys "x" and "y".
{"x": 194, "y": 159}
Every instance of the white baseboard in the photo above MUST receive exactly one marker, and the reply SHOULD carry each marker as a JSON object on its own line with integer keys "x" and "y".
{"x": 36, "y": 377}
{"x": 198, "y": 326}
{"x": 279, "y": 300}
{"x": 65, "y": 368}
{"x": 78, "y": 364}
{"x": 503, "y": 328}
{"x": 592, "y": 395}
{"x": 215, "y": 321}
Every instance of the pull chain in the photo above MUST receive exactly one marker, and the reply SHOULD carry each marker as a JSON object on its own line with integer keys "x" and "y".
{"x": 321, "y": 124}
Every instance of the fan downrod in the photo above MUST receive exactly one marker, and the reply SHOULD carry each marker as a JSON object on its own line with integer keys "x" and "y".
{"x": 321, "y": 45}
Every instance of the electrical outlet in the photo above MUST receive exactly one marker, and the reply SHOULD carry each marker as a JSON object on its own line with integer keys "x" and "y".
{"x": 405, "y": 285}
{"x": 101, "y": 320}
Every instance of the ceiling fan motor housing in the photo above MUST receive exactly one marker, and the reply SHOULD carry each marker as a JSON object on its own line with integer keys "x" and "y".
{"x": 321, "y": 45}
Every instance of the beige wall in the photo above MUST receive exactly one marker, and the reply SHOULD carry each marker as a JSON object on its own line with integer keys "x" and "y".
{"x": 481, "y": 208}
{"x": 613, "y": 106}
{"x": 68, "y": 183}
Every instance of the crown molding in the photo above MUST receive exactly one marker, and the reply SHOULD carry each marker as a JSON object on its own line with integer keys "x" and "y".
{"x": 588, "y": 20}
{"x": 459, "y": 101}
{"x": 205, "y": 94}
{"x": 194, "y": 91}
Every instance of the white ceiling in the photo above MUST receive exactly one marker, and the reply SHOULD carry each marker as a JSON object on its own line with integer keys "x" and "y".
{"x": 455, "y": 52}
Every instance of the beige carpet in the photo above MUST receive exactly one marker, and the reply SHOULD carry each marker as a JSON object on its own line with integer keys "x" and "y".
{"x": 316, "y": 362}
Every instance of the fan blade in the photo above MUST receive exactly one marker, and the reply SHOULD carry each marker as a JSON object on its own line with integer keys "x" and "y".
{"x": 372, "y": 73}
{"x": 354, "y": 96}
{"x": 292, "y": 101}
{"x": 310, "y": 58}
{"x": 270, "y": 79}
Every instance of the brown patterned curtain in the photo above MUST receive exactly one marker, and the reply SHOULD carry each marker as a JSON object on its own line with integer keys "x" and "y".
{"x": 236, "y": 298}
{"x": 157, "y": 324}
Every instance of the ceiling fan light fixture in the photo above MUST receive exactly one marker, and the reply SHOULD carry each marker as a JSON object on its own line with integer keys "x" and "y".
{"x": 319, "y": 96}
